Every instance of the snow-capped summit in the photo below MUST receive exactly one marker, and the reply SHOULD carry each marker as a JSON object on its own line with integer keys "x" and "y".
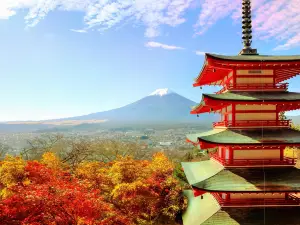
{"x": 161, "y": 92}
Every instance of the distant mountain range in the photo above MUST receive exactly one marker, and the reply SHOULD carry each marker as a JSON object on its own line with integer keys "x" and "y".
{"x": 161, "y": 106}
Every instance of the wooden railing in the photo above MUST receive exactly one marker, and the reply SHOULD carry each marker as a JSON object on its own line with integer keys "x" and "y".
{"x": 251, "y": 162}
{"x": 254, "y": 87}
{"x": 257, "y": 201}
{"x": 253, "y": 123}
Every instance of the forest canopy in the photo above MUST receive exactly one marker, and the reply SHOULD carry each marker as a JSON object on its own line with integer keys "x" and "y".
{"x": 83, "y": 185}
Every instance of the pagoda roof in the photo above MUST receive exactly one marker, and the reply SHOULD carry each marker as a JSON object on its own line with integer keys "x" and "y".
{"x": 258, "y": 96}
{"x": 217, "y": 101}
{"x": 276, "y": 179}
{"x": 207, "y": 211}
{"x": 257, "y": 58}
{"x": 216, "y": 67}
{"x": 261, "y": 136}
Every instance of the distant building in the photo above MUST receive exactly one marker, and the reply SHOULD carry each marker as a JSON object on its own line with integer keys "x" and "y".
{"x": 167, "y": 143}
{"x": 144, "y": 137}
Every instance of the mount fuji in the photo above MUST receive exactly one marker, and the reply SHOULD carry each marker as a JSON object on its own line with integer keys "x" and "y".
{"x": 161, "y": 105}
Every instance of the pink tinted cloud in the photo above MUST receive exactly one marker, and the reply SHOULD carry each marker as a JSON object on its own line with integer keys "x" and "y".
{"x": 278, "y": 19}
{"x": 153, "y": 44}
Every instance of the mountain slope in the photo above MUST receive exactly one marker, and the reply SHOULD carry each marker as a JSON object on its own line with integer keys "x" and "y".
{"x": 161, "y": 105}
{"x": 150, "y": 108}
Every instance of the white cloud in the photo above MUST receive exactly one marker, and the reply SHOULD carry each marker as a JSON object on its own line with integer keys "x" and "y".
{"x": 279, "y": 19}
{"x": 104, "y": 14}
{"x": 199, "y": 53}
{"x": 153, "y": 44}
{"x": 294, "y": 41}
{"x": 78, "y": 31}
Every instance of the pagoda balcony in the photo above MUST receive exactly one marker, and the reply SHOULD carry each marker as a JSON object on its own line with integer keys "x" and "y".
{"x": 286, "y": 161}
{"x": 253, "y": 123}
{"x": 254, "y": 87}
{"x": 290, "y": 200}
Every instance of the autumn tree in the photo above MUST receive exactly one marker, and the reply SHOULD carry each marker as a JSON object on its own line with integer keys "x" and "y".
{"x": 51, "y": 195}
{"x": 145, "y": 191}
{"x": 83, "y": 181}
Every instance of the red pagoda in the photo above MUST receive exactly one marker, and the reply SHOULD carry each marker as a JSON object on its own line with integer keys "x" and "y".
{"x": 248, "y": 179}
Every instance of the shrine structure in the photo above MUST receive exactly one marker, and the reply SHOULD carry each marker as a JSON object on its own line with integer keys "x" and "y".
{"x": 248, "y": 172}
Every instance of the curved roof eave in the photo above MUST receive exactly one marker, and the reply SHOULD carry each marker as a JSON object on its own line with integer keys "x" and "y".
{"x": 203, "y": 68}
{"x": 254, "y": 58}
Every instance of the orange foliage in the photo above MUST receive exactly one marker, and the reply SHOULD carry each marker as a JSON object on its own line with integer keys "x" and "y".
{"x": 125, "y": 191}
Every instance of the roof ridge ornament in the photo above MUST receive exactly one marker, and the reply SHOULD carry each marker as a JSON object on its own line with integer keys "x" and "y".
{"x": 247, "y": 29}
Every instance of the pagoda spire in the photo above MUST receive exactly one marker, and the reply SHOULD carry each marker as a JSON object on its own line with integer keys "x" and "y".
{"x": 247, "y": 29}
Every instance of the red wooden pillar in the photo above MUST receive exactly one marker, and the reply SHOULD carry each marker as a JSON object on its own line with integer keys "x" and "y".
{"x": 233, "y": 114}
{"x": 228, "y": 197}
{"x": 223, "y": 153}
{"x": 234, "y": 78}
{"x": 281, "y": 153}
{"x": 230, "y": 155}
{"x": 286, "y": 196}
{"x": 277, "y": 115}
{"x": 226, "y": 115}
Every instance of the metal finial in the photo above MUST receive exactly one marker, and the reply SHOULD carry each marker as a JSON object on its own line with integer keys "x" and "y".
{"x": 247, "y": 29}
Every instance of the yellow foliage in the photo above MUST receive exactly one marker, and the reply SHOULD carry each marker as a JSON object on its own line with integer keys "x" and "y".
{"x": 95, "y": 175}
{"x": 290, "y": 152}
{"x": 127, "y": 170}
{"x": 88, "y": 170}
{"x": 127, "y": 191}
{"x": 161, "y": 164}
{"x": 12, "y": 171}
{"x": 51, "y": 161}
{"x": 141, "y": 189}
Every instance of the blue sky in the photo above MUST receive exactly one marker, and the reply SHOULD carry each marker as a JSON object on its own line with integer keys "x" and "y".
{"x": 74, "y": 57}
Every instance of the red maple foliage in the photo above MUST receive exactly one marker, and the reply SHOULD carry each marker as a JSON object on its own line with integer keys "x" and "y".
{"x": 55, "y": 197}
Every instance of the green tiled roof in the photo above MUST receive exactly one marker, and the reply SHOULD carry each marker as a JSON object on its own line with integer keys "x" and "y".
{"x": 255, "y": 136}
{"x": 254, "y": 179}
{"x": 196, "y": 172}
{"x": 242, "y": 179}
{"x": 256, "y": 57}
{"x": 207, "y": 211}
{"x": 199, "y": 210}
{"x": 257, "y": 216}
{"x": 255, "y": 96}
